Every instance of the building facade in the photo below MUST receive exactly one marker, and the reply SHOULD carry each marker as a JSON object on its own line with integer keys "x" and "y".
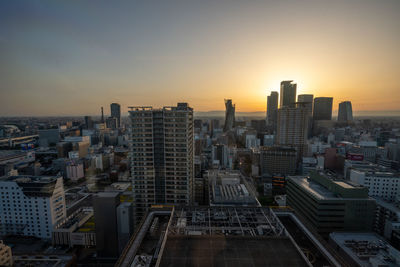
{"x": 272, "y": 109}
{"x": 322, "y": 108}
{"x": 116, "y": 112}
{"x": 278, "y": 160}
{"x": 292, "y": 128}
{"x": 345, "y": 112}
{"x": 31, "y": 205}
{"x": 288, "y": 94}
{"x": 331, "y": 205}
{"x": 229, "y": 115}
{"x": 162, "y": 156}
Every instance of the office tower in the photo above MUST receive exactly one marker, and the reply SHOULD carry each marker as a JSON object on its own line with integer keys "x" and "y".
{"x": 162, "y": 156}
{"x": 288, "y": 94}
{"x": 330, "y": 205}
{"x": 322, "y": 108}
{"x": 32, "y": 205}
{"x": 102, "y": 115}
{"x": 105, "y": 218}
{"x": 88, "y": 122}
{"x": 272, "y": 109}
{"x": 293, "y": 128}
{"x": 229, "y": 115}
{"x": 116, "y": 113}
{"x": 278, "y": 161}
{"x": 307, "y": 101}
{"x": 345, "y": 112}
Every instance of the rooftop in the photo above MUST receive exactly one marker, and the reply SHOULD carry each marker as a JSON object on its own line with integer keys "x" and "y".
{"x": 365, "y": 248}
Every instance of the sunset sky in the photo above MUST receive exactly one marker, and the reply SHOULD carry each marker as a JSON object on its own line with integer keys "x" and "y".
{"x": 71, "y": 57}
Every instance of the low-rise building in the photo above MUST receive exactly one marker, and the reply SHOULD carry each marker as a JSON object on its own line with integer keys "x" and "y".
{"x": 385, "y": 185}
{"x": 229, "y": 188}
{"x": 365, "y": 249}
{"x": 330, "y": 205}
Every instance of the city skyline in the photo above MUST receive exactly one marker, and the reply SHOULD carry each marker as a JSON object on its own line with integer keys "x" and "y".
{"x": 76, "y": 57}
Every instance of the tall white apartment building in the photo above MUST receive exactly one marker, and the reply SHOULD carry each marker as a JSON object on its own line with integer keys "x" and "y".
{"x": 162, "y": 156}
{"x": 31, "y": 205}
{"x": 385, "y": 185}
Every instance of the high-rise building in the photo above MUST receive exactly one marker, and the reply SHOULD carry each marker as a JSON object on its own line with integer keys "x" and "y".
{"x": 31, "y": 205}
{"x": 105, "y": 215}
{"x": 292, "y": 128}
{"x": 322, "y": 108}
{"x": 162, "y": 156}
{"x": 116, "y": 112}
{"x": 88, "y": 122}
{"x": 229, "y": 115}
{"x": 307, "y": 101}
{"x": 272, "y": 109}
{"x": 288, "y": 94}
{"x": 345, "y": 112}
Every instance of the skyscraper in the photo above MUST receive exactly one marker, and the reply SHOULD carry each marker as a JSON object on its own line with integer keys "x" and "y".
{"x": 288, "y": 94}
{"x": 322, "y": 108}
{"x": 272, "y": 108}
{"x": 229, "y": 115}
{"x": 307, "y": 101}
{"x": 116, "y": 113}
{"x": 345, "y": 112}
{"x": 162, "y": 156}
{"x": 293, "y": 128}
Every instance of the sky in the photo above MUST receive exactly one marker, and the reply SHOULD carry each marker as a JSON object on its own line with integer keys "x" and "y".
{"x": 72, "y": 57}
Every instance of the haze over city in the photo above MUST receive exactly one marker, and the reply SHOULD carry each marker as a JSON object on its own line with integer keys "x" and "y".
{"x": 71, "y": 57}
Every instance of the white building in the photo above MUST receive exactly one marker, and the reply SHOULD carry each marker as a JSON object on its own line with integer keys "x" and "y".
{"x": 75, "y": 170}
{"x": 31, "y": 205}
{"x": 252, "y": 141}
{"x": 385, "y": 185}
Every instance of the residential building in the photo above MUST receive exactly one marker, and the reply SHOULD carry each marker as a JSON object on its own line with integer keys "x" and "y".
{"x": 293, "y": 128}
{"x": 162, "y": 156}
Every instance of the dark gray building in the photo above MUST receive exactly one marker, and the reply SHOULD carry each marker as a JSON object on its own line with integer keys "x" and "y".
{"x": 229, "y": 115}
{"x": 272, "y": 109}
{"x": 322, "y": 108}
{"x": 345, "y": 112}
{"x": 116, "y": 112}
{"x": 288, "y": 94}
{"x": 278, "y": 160}
{"x": 105, "y": 216}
